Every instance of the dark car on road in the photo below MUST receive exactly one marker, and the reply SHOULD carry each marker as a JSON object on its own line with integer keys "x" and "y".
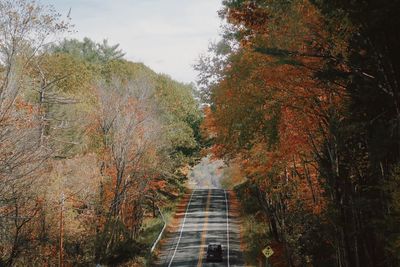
{"x": 214, "y": 252}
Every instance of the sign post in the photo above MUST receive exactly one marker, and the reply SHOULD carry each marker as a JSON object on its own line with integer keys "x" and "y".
{"x": 268, "y": 252}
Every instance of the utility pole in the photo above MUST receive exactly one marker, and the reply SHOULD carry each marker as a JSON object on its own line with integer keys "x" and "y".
{"x": 61, "y": 258}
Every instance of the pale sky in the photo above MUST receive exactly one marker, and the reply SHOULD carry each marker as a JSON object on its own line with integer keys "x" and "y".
{"x": 166, "y": 35}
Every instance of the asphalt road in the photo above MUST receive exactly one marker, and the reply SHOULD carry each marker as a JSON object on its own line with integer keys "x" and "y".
{"x": 205, "y": 221}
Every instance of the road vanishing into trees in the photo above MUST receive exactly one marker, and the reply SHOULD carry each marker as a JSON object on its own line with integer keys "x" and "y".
{"x": 208, "y": 218}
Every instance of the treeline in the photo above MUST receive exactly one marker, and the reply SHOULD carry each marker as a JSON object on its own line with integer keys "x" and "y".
{"x": 89, "y": 143}
{"x": 304, "y": 96}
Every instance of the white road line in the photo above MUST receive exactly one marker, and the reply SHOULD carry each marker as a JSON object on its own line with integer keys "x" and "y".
{"x": 227, "y": 226}
{"x": 183, "y": 225}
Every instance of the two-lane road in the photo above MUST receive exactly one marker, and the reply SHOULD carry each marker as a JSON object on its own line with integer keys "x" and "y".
{"x": 207, "y": 219}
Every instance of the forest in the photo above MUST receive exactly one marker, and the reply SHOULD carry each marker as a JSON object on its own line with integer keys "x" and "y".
{"x": 300, "y": 98}
{"x": 91, "y": 145}
{"x": 303, "y": 104}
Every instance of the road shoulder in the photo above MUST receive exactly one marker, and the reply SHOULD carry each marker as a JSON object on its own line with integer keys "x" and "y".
{"x": 172, "y": 228}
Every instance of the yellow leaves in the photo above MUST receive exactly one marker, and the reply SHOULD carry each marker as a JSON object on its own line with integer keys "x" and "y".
{"x": 70, "y": 75}
{"x": 208, "y": 127}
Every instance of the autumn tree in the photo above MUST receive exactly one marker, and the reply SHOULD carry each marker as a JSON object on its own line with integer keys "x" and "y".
{"x": 25, "y": 27}
{"x": 88, "y": 140}
{"x": 294, "y": 102}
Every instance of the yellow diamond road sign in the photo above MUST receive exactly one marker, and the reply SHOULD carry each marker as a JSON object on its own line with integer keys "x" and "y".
{"x": 268, "y": 252}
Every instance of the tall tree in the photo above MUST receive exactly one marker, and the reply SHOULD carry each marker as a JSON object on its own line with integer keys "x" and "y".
{"x": 26, "y": 27}
{"x": 307, "y": 97}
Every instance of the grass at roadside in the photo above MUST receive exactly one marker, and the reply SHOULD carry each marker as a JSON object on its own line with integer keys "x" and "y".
{"x": 152, "y": 226}
{"x": 255, "y": 237}
{"x": 150, "y": 230}
{"x": 254, "y": 226}
{"x": 254, "y": 229}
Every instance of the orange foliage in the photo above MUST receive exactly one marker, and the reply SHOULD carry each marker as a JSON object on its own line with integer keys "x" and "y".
{"x": 270, "y": 110}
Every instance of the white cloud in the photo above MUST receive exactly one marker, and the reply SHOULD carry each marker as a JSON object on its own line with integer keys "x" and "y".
{"x": 166, "y": 35}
